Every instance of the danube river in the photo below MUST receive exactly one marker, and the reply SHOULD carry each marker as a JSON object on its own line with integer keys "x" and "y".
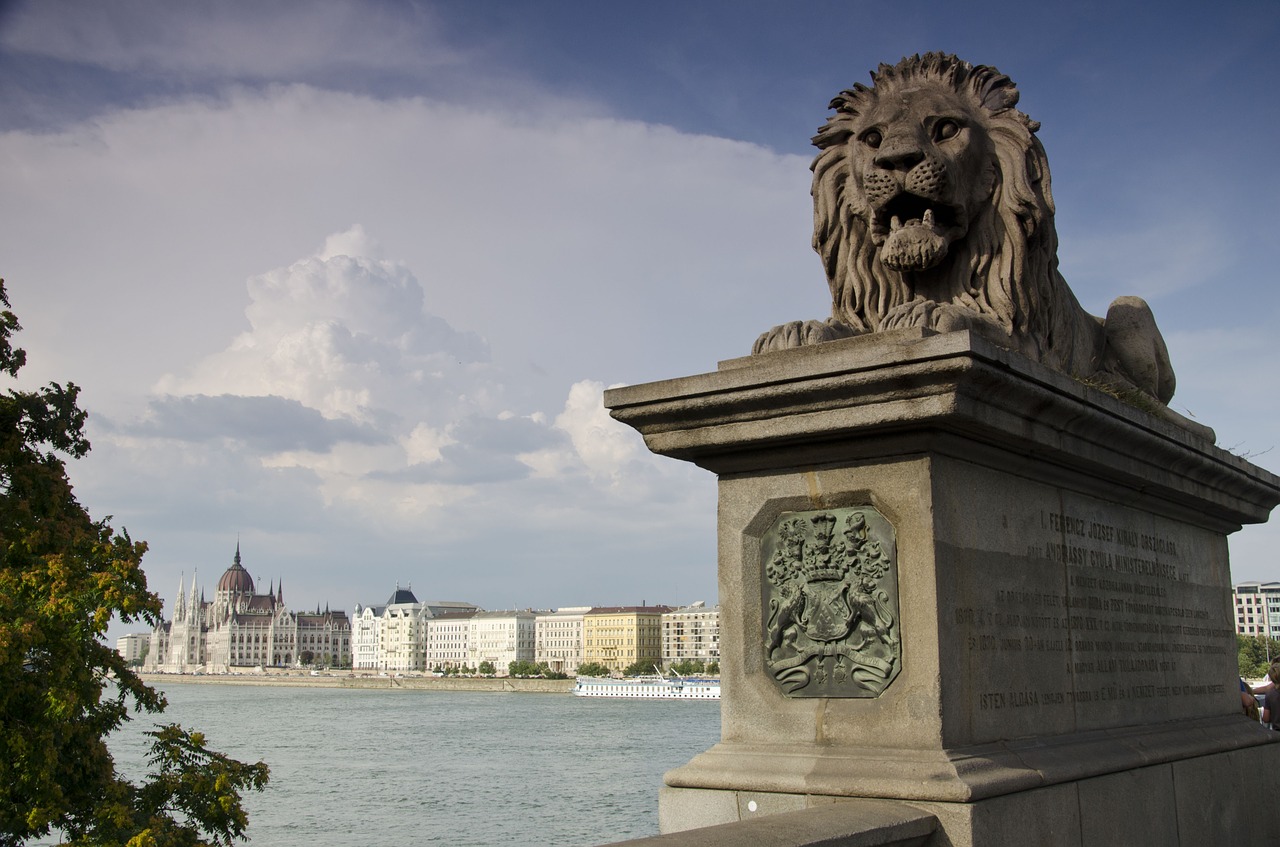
{"x": 422, "y": 767}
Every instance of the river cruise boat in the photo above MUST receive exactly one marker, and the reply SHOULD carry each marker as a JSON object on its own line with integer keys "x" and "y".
{"x": 649, "y": 687}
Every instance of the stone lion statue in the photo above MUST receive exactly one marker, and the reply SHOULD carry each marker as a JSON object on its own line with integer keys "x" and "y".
{"x": 932, "y": 208}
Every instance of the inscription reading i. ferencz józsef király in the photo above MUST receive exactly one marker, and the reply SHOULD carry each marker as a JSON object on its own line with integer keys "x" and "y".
{"x": 1127, "y": 620}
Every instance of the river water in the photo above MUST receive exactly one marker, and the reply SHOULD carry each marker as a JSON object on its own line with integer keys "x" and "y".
{"x": 412, "y": 767}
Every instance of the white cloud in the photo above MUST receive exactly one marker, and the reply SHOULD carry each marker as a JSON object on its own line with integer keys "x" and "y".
{"x": 346, "y": 335}
{"x": 423, "y": 444}
{"x": 347, "y": 408}
{"x": 435, "y": 296}
{"x": 635, "y": 251}
{"x": 604, "y": 446}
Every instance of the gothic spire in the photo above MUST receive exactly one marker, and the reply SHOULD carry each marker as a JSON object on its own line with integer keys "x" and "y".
{"x": 179, "y": 605}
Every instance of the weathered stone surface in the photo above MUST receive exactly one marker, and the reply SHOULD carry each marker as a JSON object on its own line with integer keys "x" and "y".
{"x": 1062, "y": 641}
{"x": 777, "y": 821}
{"x": 892, "y": 391}
{"x": 932, "y": 208}
{"x": 1062, "y": 572}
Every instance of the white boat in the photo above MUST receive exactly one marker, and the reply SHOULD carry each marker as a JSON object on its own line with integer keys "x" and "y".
{"x": 653, "y": 686}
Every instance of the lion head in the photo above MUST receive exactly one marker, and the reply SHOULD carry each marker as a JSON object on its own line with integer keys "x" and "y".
{"x": 932, "y": 207}
{"x": 932, "y": 187}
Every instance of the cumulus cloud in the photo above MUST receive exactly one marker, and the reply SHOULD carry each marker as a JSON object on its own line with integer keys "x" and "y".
{"x": 346, "y": 335}
{"x": 388, "y": 416}
{"x": 400, "y": 387}
{"x": 594, "y": 443}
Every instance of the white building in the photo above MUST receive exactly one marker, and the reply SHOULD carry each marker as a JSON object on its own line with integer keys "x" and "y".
{"x": 366, "y": 624}
{"x": 501, "y": 638}
{"x": 691, "y": 634}
{"x": 133, "y": 647}
{"x": 448, "y": 640}
{"x": 558, "y": 638}
{"x": 1257, "y": 606}
{"x": 395, "y": 636}
{"x": 402, "y": 633}
{"x": 241, "y": 628}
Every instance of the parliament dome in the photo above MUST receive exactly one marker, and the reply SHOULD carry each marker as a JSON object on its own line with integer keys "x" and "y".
{"x": 236, "y": 579}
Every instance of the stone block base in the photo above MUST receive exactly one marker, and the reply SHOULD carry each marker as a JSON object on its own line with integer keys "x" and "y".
{"x": 1222, "y": 798}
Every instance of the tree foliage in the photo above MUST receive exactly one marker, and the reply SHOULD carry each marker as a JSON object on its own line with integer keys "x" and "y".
{"x": 63, "y": 576}
{"x": 640, "y": 667}
{"x": 1254, "y": 655}
{"x": 534, "y": 669}
{"x": 593, "y": 669}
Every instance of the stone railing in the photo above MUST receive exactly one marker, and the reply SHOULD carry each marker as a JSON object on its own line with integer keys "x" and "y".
{"x": 853, "y": 823}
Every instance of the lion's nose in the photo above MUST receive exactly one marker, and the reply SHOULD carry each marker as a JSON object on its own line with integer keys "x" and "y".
{"x": 899, "y": 153}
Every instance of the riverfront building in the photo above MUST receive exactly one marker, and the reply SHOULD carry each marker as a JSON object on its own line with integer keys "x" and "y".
{"x": 691, "y": 634}
{"x": 449, "y": 640}
{"x": 1257, "y": 606}
{"x": 134, "y": 646}
{"x": 240, "y": 628}
{"x": 402, "y": 633}
{"x": 501, "y": 638}
{"x": 620, "y": 636}
{"x": 366, "y": 626}
{"x": 558, "y": 639}
{"x": 395, "y": 636}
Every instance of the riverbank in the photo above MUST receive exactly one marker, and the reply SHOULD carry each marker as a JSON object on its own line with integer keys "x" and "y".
{"x": 406, "y": 683}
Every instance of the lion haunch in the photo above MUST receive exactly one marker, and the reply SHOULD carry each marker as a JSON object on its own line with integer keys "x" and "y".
{"x": 932, "y": 208}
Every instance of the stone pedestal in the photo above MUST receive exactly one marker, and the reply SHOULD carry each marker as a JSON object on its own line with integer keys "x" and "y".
{"x": 1047, "y": 634}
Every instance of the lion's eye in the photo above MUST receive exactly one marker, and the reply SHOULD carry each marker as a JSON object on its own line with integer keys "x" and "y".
{"x": 872, "y": 139}
{"x": 945, "y": 129}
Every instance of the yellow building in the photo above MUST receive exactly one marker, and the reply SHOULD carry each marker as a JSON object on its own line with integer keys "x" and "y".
{"x": 620, "y": 636}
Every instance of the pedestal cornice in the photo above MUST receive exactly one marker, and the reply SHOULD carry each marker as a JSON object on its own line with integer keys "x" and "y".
{"x": 912, "y": 391}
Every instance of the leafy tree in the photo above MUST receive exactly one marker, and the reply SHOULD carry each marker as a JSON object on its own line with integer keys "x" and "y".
{"x": 63, "y": 576}
{"x": 593, "y": 669}
{"x": 713, "y": 668}
{"x": 306, "y": 656}
{"x": 527, "y": 668}
{"x": 487, "y": 668}
{"x": 689, "y": 667}
{"x": 639, "y": 668}
{"x": 1252, "y": 655}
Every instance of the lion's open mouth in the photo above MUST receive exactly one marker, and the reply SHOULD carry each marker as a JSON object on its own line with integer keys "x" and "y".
{"x": 912, "y": 210}
{"x": 915, "y": 233}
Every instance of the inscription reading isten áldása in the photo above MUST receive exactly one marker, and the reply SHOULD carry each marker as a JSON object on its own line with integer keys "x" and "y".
{"x": 1129, "y": 620}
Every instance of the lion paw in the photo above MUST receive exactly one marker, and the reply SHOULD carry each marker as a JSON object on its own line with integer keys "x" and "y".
{"x": 945, "y": 317}
{"x": 914, "y": 313}
{"x": 800, "y": 334}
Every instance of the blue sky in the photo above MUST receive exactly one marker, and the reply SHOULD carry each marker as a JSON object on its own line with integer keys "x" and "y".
{"x": 345, "y": 280}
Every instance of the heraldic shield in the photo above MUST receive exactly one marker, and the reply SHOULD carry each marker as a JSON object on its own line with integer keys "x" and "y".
{"x": 831, "y": 603}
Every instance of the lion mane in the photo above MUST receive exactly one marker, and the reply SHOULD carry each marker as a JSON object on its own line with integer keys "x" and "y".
{"x": 998, "y": 266}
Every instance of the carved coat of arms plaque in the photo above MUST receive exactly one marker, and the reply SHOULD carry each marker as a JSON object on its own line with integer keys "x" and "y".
{"x": 831, "y": 603}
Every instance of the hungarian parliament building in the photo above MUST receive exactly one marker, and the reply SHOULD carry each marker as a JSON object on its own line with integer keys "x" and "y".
{"x": 241, "y": 630}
